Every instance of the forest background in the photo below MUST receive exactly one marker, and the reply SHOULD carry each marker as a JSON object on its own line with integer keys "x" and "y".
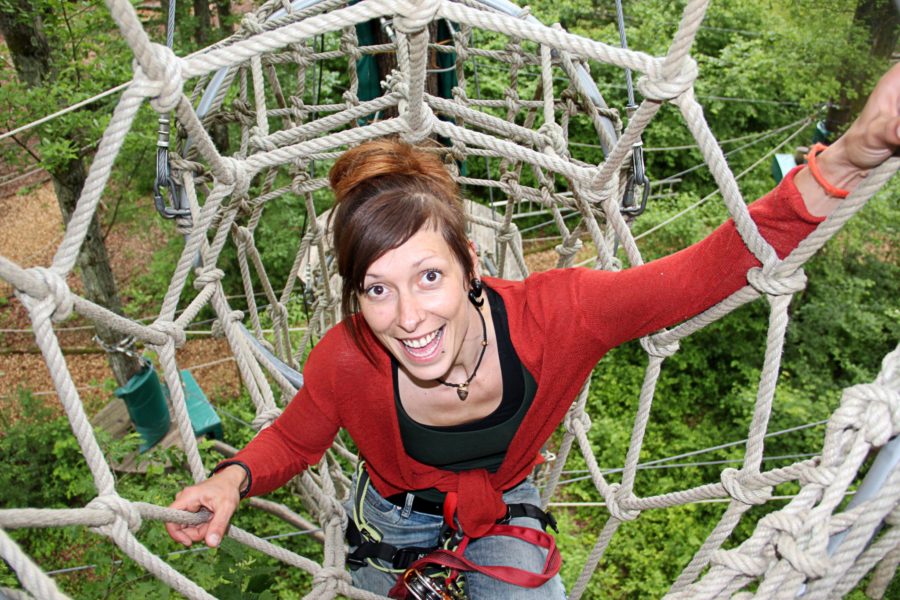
{"x": 769, "y": 70}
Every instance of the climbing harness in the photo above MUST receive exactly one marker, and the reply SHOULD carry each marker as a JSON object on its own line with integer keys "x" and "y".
{"x": 428, "y": 572}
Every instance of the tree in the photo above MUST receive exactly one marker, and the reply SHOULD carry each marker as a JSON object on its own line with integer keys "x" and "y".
{"x": 22, "y": 26}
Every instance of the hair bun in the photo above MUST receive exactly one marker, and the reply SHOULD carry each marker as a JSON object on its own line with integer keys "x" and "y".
{"x": 371, "y": 165}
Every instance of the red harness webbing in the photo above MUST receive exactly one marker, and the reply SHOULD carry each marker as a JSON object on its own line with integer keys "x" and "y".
{"x": 454, "y": 560}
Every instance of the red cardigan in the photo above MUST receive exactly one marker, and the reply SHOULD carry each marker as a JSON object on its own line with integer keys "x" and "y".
{"x": 561, "y": 323}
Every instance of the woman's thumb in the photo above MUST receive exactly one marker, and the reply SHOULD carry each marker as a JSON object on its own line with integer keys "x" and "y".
{"x": 217, "y": 526}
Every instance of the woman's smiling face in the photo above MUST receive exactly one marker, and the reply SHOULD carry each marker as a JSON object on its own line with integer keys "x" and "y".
{"x": 415, "y": 301}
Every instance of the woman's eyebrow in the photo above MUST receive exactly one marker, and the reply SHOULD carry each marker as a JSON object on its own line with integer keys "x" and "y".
{"x": 419, "y": 262}
{"x": 415, "y": 265}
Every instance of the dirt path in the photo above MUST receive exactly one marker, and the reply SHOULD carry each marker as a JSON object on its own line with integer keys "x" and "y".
{"x": 30, "y": 231}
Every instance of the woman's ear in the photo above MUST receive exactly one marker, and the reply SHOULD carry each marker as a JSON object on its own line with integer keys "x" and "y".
{"x": 476, "y": 263}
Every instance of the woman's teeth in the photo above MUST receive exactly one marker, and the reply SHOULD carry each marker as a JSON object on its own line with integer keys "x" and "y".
{"x": 415, "y": 346}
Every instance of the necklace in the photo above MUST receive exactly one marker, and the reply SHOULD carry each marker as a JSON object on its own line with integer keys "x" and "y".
{"x": 462, "y": 389}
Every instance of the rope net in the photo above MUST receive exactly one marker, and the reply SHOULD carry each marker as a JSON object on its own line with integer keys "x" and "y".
{"x": 518, "y": 138}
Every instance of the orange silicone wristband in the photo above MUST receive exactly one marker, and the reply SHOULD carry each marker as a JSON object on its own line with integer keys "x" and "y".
{"x": 817, "y": 174}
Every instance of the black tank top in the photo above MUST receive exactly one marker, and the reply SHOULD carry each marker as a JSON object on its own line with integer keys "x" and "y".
{"x": 480, "y": 444}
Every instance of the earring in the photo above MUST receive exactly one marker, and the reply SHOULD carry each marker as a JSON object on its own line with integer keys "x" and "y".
{"x": 475, "y": 290}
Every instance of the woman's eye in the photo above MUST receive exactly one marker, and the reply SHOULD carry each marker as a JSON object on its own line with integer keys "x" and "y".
{"x": 431, "y": 276}
{"x": 375, "y": 291}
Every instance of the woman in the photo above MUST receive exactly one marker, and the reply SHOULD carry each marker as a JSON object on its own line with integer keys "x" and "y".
{"x": 449, "y": 385}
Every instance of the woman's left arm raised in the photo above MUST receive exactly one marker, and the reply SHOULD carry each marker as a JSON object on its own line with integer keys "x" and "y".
{"x": 618, "y": 306}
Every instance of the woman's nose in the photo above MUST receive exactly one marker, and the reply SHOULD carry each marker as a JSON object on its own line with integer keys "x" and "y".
{"x": 409, "y": 313}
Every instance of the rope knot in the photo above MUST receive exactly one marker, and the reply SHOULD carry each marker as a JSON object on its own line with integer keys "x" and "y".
{"x": 661, "y": 88}
{"x": 261, "y": 142}
{"x": 58, "y": 292}
{"x": 208, "y": 276}
{"x": 569, "y": 250}
{"x": 250, "y": 24}
{"x": 164, "y": 90}
{"x": 577, "y": 418}
{"x": 415, "y": 15}
{"x": 119, "y": 506}
{"x": 279, "y": 312}
{"x": 819, "y": 475}
{"x": 459, "y": 94}
{"x": 350, "y": 98}
{"x": 240, "y": 176}
{"x": 507, "y": 233}
{"x": 765, "y": 281}
{"x": 748, "y": 492}
{"x": 554, "y": 137}
{"x": 330, "y": 575}
{"x": 265, "y": 417}
{"x": 458, "y": 152}
{"x": 350, "y": 44}
{"x": 813, "y": 565}
{"x": 615, "y": 508}
{"x": 184, "y": 225}
{"x": 172, "y": 330}
{"x": 654, "y": 347}
{"x": 870, "y": 407}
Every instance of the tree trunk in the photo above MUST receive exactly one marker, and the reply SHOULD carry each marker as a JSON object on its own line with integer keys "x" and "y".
{"x": 223, "y": 10}
{"x": 21, "y": 26}
{"x": 93, "y": 261}
{"x": 203, "y": 22}
{"x": 23, "y": 30}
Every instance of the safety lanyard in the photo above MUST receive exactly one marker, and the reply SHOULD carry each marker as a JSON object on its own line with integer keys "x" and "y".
{"x": 454, "y": 559}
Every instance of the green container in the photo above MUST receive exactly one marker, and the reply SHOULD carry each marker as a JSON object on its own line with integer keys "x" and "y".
{"x": 204, "y": 419}
{"x": 146, "y": 403}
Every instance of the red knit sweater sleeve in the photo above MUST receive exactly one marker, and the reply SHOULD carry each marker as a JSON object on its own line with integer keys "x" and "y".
{"x": 619, "y": 306}
{"x": 300, "y": 436}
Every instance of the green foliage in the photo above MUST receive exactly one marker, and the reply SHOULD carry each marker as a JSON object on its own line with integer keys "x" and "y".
{"x": 46, "y": 469}
{"x": 35, "y": 445}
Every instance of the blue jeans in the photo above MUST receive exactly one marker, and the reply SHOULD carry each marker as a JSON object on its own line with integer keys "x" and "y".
{"x": 403, "y": 528}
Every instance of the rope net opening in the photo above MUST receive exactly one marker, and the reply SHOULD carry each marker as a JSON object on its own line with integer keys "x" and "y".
{"x": 509, "y": 148}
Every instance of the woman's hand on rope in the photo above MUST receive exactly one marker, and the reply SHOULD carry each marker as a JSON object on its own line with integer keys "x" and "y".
{"x": 871, "y": 140}
{"x": 220, "y": 495}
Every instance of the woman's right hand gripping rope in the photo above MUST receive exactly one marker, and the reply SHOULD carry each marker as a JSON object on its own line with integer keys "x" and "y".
{"x": 220, "y": 495}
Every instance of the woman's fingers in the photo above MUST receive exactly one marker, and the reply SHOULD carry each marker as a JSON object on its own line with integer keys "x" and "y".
{"x": 214, "y": 495}
{"x": 188, "y": 500}
{"x": 875, "y": 134}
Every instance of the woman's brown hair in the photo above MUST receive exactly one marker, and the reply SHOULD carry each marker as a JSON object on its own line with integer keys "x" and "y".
{"x": 385, "y": 192}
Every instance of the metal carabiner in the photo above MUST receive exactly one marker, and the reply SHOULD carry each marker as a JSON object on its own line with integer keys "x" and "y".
{"x": 638, "y": 177}
{"x": 177, "y": 206}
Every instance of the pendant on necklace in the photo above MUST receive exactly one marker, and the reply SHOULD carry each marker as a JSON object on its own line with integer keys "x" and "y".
{"x": 462, "y": 390}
